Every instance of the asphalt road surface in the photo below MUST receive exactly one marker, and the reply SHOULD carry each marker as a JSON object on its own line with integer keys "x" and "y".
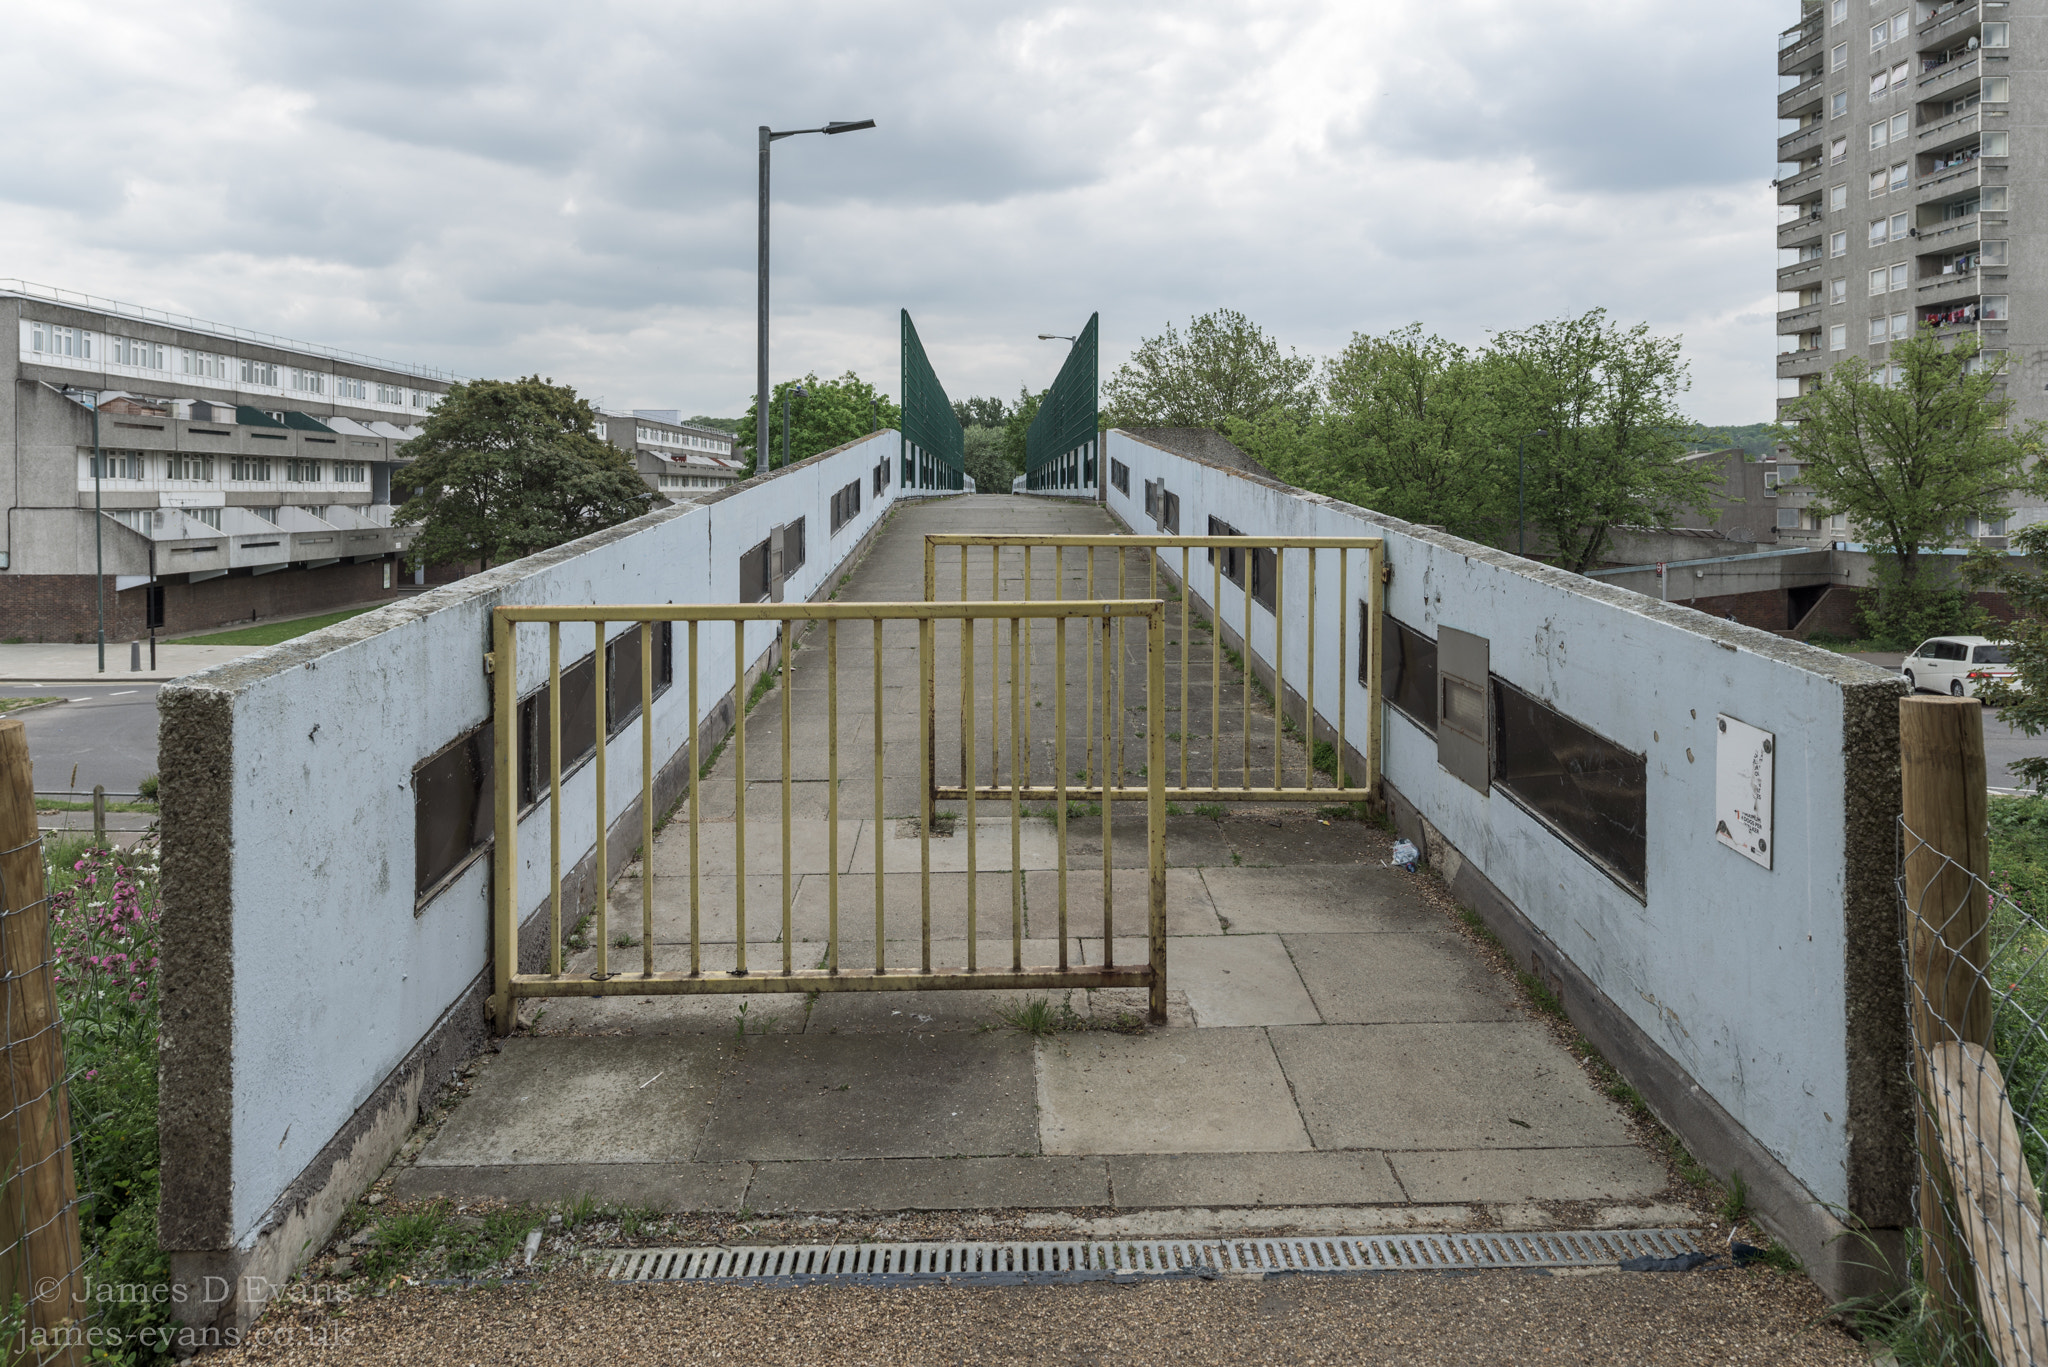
{"x": 107, "y": 731}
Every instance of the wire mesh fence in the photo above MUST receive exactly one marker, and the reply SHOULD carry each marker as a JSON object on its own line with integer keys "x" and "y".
{"x": 1976, "y": 962}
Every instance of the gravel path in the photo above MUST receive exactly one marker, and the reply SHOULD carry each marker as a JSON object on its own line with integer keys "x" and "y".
{"x": 1622, "y": 1318}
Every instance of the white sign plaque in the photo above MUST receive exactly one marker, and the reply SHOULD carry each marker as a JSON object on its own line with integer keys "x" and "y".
{"x": 1743, "y": 763}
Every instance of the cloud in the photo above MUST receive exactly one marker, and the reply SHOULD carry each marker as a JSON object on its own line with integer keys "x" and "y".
{"x": 522, "y": 187}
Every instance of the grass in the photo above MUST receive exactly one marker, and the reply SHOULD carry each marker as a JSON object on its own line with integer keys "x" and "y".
{"x": 1042, "y": 1018}
{"x": 1212, "y": 810}
{"x": 271, "y": 633}
{"x": 8, "y": 705}
{"x": 2018, "y": 828}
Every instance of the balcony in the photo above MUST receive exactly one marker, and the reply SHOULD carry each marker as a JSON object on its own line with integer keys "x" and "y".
{"x": 1800, "y": 99}
{"x": 1949, "y": 20}
{"x": 1799, "y": 139}
{"x": 1944, "y": 79}
{"x": 1805, "y": 318}
{"x": 1806, "y": 361}
{"x": 1948, "y": 130}
{"x": 1950, "y": 182}
{"x": 1801, "y": 187}
{"x": 1791, "y": 276}
{"x": 1950, "y": 291}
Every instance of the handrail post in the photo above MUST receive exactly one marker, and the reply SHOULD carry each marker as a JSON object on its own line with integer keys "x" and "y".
{"x": 505, "y": 822}
{"x": 1945, "y": 864}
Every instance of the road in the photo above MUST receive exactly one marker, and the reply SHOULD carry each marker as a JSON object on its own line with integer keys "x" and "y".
{"x": 107, "y": 731}
{"x": 2002, "y": 742}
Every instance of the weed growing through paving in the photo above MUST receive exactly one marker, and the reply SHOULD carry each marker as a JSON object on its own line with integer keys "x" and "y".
{"x": 1735, "y": 1205}
{"x": 1212, "y": 810}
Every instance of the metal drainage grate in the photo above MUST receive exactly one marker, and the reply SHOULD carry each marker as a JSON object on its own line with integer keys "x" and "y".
{"x": 1092, "y": 1260}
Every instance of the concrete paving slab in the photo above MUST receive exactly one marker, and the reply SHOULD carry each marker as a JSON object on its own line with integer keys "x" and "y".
{"x": 717, "y": 904}
{"x": 1188, "y": 908}
{"x": 717, "y": 843}
{"x": 876, "y": 1096}
{"x": 1117, "y": 1007}
{"x": 1317, "y": 898}
{"x": 1239, "y": 980}
{"x": 1389, "y": 978}
{"x": 929, "y": 1184}
{"x": 1442, "y": 1086}
{"x": 809, "y": 800}
{"x": 1252, "y": 1179}
{"x": 666, "y": 1187}
{"x": 1038, "y": 846}
{"x": 1619, "y": 1173}
{"x": 1292, "y": 837}
{"x": 1198, "y": 1091}
{"x": 628, "y": 1099}
{"x": 903, "y": 907}
{"x": 716, "y": 1015}
{"x": 1191, "y": 841}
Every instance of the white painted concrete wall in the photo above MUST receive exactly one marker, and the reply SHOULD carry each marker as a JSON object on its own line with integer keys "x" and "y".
{"x": 337, "y": 977}
{"x": 1736, "y": 971}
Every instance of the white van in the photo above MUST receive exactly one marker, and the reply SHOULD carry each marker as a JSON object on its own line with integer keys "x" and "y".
{"x": 1956, "y": 665}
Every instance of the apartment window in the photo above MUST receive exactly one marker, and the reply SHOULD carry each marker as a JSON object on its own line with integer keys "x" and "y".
{"x": 1997, "y": 35}
{"x": 1901, "y": 125}
{"x": 1591, "y": 792}
{"x": 1838, "y": 13}
{"x": 1899, "y": 176}
{"x": 1838, "y": 337}
{"x": 1878, "y": 231}
{"x": 189, "y": 467}
{"x": 420, "y": 398}
{"x": 1838, "y": 197}
{"x": 298, "y": 471}
{"x": 142, "y": 355}
{"x": 1994, "y": 309}
{"x": 1899, "y": 76}
{"x": 1838, "y": 106}
{"x": 1877, "y": 184}
{"x": 1233, "y": 558}
{"x": 390, "y": 393}
{"x": 1899, "y": 227}
{"x": 55, "y": 341}
{"x": 1838, "y": 245}
{"x": 1407, "y": 669}
{"x": 259, "y": 372}
{"x": 1770, "y": 479}
{"x": 1839, "y": 57}
{"x": 1992, "y": 252}
{"x": 1902, "y": 325}
{"x": 203, "y": 364}
{"x": 1899, "y": 276}
{"x": 1880, "y": 34}
{"x": 348, "y": 388}
{"x": 1877, "y": 84}
{"x": 1880, "y": 134}
{"x": 1788, "y": 519}
{"x": 249, "y": 468}
{"x": 1838, "y": 151}
{"x": 1997, "y": 89}
{"x": 351, "y": 472}
{"x": 1878, "y": 331}
{"x": 120, "y": 465}
{"x": 308, "y": 381}
{"x": 1877, "y": 281}
{"x": 1838, "y": 291}
{"x": 1120, "y": 477}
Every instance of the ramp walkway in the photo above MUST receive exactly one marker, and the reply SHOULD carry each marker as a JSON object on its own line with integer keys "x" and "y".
{"x": 1333, "y": 1040}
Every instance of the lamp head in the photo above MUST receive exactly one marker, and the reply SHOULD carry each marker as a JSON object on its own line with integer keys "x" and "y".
{"x": 841, "y": 126}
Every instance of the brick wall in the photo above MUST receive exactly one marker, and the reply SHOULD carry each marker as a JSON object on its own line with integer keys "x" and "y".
{"x": 62, "y": 607}
{"x": 1764, "y": 608}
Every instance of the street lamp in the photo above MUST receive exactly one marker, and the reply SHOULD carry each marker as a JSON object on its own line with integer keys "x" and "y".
{"x": 769, "y": 135}
{"x": 1054, "y": 337}
{"x": 1522, "y": 492}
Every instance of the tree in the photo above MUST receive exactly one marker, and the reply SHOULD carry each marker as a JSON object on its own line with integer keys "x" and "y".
{"x": 1608, "y": 399}
{"x": 826, "y": 414}
{"x": 1225, "y": 367}
{"x": 1403, "y": 428}
{"x": 980, "y": 412}
{"x": 1017, "y": 427}
{"x": 1911, "y": 450}
{"x": 504, "y": 468}
{"x": 988, "y": 465}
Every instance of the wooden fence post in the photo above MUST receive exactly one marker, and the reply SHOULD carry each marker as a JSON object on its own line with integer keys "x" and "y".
{"x": 39, "y": 1243}
{"x": 1946, "y": 866}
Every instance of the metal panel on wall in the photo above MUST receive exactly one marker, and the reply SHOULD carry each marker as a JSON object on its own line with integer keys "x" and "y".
{"x": 1463, "y": 729}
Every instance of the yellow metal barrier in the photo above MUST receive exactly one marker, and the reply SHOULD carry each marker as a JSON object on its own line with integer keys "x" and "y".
{"x": 1112, "y": 764}
{"x": 597, "y": 976}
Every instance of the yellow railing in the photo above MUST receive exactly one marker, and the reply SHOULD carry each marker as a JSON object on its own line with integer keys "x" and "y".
{"x": 1242, "y": 548}
{"x": 595, "y": 974}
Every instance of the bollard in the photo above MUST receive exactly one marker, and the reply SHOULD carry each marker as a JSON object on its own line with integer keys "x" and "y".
{"x": 135, "y": 657}
{"x": 99, "y": 815}
{"x": 39, "y": 1243}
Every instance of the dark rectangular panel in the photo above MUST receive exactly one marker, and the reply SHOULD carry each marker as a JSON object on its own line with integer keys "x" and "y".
{"x": 1265, "y": 576}
{"x": 1407, "y": 668}
{"x": 1589, "y": 790}
{"x": 754, "y": 580}
{"x": 452, "y": 812}
{"x": 1233, "y": 559}
{"x": 1462, "y": 733}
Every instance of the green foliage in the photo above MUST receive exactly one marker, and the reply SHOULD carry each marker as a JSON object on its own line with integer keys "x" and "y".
{"x": 2023, "y": 702}
{"x": 1225, "y": 366}
{"x": 823, "y": 415}
{"x": 1899, "y": 613}
{"x": 1909, "y": 461}
{"x": 402, "y": 1239}
{"x": 981, "y": 412}
{"x": 147, "y": 788}
{"x": 1040, "y": 1018}
{"x": 1735, "y": 1204}
{"x": 988, "y": 459}
{"x": 2018, "y": 830}
{"x": 1017, "y": 426}
{"x": 509, "y": 467}
{"x": 502, "y": 1238}
{"x": 721, "y": 424}
{"x": 1420, "y": 428}
{"x": 1756, "y": 439}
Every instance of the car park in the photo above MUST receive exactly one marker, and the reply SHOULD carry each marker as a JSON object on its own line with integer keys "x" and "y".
{"x": 1956, "y": 665}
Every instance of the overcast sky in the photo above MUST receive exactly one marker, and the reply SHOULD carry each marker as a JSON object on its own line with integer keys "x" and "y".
{"x": 512, "y": 187}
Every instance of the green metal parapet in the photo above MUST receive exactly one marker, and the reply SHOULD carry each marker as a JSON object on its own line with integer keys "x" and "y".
{"x": 934, "y": 447}
{"x": 1062, "y": 446}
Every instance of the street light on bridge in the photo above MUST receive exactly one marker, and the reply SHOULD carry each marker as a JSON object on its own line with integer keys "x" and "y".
{"x": 763, "y": 455}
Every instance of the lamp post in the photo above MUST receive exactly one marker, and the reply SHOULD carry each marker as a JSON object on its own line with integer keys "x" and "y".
{"x": 1522, "y": 492}
{"x": 768, "y": 135}
{"x": 99, "y": 560}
